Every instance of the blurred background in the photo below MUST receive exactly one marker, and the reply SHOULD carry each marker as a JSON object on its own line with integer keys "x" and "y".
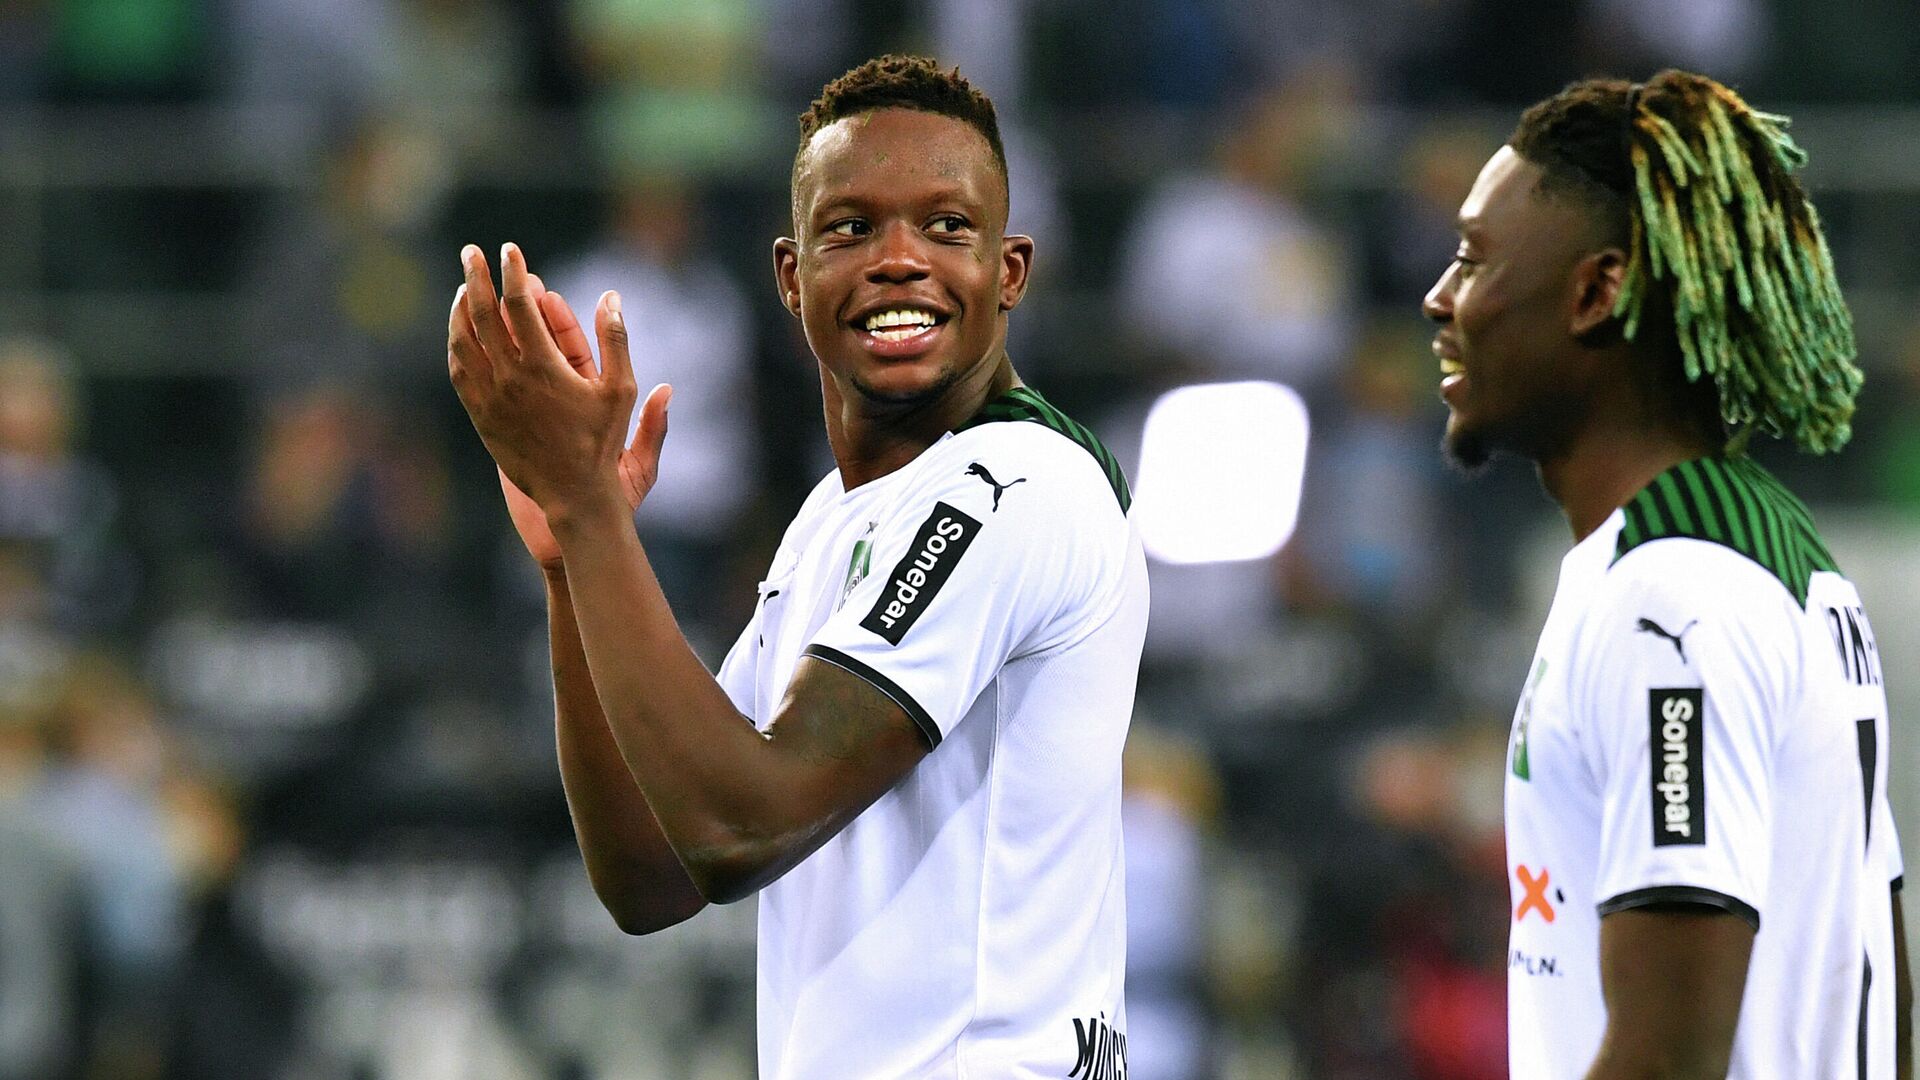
{"x": 277, "y": 789}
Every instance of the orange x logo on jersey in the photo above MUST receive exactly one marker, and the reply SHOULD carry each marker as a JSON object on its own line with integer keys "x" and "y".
{"x": 1536, "y": 898}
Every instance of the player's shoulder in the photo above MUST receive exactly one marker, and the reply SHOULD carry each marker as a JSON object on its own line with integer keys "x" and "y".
{"x": 1717, "y": 528}
{"x": 1022, "y": 437}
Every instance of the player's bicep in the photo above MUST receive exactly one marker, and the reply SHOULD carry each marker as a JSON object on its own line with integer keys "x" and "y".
{"x": 1672, "y": 976}
{"x": 844, "y": 743}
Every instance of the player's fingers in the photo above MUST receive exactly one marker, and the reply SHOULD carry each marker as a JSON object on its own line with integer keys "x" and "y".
{"x": 539, "y": 290}
{"x": 568, "y": 333}
{"x": 611, "y": 327}
{"x": 466, "y": 360}
{"x": 483, "y": 308}
{"x": 522, "y": 306}
{"x": 652, "y": 432}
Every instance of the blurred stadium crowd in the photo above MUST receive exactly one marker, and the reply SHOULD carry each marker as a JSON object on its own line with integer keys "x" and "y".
{"x": 277, "y": 791}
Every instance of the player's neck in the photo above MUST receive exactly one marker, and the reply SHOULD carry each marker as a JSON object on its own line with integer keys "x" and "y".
{"x": 1612, "y": 458}
{"x": 871, "y": 440}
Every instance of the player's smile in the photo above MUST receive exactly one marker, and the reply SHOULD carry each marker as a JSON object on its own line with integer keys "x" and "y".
{"x": 896, "y": 329}
{"x": 1453, "y": 373}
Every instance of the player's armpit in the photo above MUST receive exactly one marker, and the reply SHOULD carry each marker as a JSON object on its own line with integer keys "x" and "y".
{"x": 1672, "y": 976}
{"x": 842, "y": 743}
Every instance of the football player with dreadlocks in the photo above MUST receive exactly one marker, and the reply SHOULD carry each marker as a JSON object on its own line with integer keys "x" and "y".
{"x": 1704, "y": 867}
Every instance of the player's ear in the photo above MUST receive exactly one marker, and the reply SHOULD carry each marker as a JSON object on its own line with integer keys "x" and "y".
{"x": 1016, "y": 262}
{"x": 1597, "y": 279}
{"x": 786, "y": 273}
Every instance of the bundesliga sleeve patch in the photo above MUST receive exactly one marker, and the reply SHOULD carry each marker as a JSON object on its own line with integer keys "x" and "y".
{"x": 942, "y": 539}
{"x": 1677, "y": 740}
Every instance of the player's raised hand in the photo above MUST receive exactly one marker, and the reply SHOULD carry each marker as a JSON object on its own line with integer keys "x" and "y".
{"x": 639, "y": 463}
{"x": 552, "y": 422}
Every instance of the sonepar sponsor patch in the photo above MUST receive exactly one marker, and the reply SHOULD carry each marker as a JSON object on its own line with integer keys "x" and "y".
{"x": 929, "y": 561}
{"x": 1677, "y": 740}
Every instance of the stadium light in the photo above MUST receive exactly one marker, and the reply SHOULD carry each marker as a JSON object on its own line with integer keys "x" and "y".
{"x": 1221, "y": 466}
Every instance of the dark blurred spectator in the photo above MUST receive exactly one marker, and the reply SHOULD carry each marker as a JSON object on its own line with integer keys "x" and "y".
{"x": 1371, "y": 538}
{"x": 1229, "y": 271}
{"x": 347, "y": 284}
{"x": 346, "y": 520}
{"x": 1403, "y": 968}
{"x": 690, "y": 325}
{"x": 1171, "y": 800}
{"x": 25, "y": 31}
{"x": 42, "y": 901}
{"x": 146, "y": 835}
{"x": 1412, "y": 237}
{"x": 448, "y": 66}
{"x": 59, "y": 513}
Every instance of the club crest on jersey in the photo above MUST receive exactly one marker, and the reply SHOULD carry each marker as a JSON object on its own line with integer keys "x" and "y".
{"x": 943, "y": 538}
{"x": 1676, "y": 738}
{"x": 1522, "y": 766}
{"x": 858, "y": 565}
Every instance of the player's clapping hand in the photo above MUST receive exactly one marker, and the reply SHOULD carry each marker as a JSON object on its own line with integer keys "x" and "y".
{"x": 554, "y": 424}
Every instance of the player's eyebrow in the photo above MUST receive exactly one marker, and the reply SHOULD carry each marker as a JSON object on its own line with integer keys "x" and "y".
{"x": 1466, "y": 226}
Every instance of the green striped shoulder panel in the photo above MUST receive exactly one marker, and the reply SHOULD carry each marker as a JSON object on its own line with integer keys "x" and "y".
{"x": 1736, "y": 503}
{"x": 1023, "y": 404}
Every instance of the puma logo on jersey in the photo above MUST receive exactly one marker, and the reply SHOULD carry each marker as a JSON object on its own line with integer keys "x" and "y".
{"x": 1677, "y": 739}
{"x": 1648, "y": 626}
{"x": 979, "y": 470}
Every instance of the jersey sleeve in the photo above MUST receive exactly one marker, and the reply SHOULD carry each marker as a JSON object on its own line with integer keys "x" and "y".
{"x": 1677, "y": 679}
{"x": 1884, "y": 827}
{"x": 736, "y": 671}
{"x": 1009, "y": 548}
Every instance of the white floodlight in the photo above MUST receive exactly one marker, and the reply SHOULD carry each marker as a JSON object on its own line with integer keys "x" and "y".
{"x": 1221, "y": 466}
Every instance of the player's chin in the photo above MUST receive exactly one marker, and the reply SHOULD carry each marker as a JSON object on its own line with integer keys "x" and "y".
{"x": 1466, "y": 448}
{"x": 904, "y": 382}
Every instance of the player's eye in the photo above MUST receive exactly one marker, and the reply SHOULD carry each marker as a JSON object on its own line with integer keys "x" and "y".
{"x": 848, "y": 227}
{"x": 947, "y": 225}
{"x": 1463, "y": 264}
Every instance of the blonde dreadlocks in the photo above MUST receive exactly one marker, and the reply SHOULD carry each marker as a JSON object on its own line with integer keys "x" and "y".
{"x": 1718, "y": 226}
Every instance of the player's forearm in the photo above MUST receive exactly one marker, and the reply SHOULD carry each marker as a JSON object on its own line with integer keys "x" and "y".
{"x": 633, "y": 869}
{"x": 730, "y": 804}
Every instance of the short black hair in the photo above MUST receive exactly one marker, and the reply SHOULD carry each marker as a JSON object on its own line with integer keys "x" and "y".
{"x": 903, "y": 82}
{"x": 1726, "y": 252}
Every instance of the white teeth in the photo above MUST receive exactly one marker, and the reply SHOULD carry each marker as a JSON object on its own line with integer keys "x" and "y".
{"x": 1452, "y": 367}
{"x": 908, "y": 317}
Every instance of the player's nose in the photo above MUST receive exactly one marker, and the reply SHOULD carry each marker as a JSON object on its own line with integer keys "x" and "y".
{"x": 899, "y": 254}
{"x": 1438, "y": 303}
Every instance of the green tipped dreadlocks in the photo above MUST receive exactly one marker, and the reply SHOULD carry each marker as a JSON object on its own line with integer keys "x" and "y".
{"x": 1720, "y": 221}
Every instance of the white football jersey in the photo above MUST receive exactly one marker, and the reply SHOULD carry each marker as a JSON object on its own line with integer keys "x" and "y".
{"x": 1704, "y": 722}
{"x": 971, "y": 922}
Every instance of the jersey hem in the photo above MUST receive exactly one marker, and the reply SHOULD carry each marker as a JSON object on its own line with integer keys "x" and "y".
{"x": 1899, "y": 884}
{"x": 921, "y": 718}
{"x": 1683, "y": 894}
